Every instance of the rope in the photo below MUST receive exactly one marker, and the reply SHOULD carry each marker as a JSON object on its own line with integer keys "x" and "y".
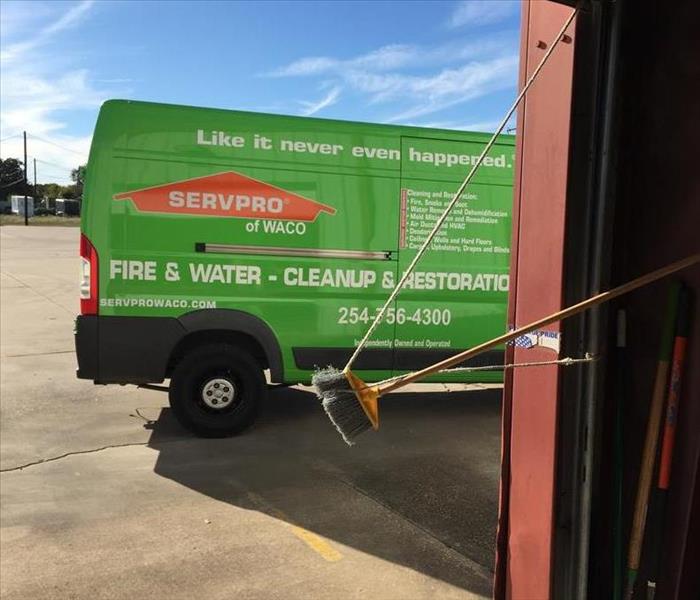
{"x": 458, "y": 193}
{"x": 564, "y": 362}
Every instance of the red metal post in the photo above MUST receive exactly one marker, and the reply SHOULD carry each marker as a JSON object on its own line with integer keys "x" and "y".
{"x": 530, "y": 395}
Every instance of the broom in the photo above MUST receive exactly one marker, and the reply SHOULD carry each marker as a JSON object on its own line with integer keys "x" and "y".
{"x": 352, "y": 405}
{"x": 338, "y": 389}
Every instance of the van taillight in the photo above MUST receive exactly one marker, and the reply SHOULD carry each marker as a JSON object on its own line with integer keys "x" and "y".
{"x": 88, "y": 277}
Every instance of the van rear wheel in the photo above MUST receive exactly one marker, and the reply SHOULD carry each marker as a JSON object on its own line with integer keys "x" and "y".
{"x": 215, "y": 390}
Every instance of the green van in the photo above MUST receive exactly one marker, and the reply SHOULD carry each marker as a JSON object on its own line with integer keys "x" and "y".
{"x": 226, "y": 250}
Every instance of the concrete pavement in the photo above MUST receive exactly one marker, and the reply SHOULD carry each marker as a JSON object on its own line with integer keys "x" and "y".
{"x": 139, "y": 508}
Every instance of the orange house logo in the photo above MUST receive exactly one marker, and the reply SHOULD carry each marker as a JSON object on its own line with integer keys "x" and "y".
{"x": 227, "y": 194}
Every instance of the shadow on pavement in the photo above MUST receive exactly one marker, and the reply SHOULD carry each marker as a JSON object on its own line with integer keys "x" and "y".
{"x": 422, "y": 492}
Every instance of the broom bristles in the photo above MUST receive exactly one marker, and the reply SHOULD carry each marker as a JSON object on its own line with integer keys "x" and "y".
{"x": 340, "y": 403}
{"x": 329, "y": 379}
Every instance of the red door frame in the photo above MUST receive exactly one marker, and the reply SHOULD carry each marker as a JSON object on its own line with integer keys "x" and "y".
{"x": 524, "y": 557}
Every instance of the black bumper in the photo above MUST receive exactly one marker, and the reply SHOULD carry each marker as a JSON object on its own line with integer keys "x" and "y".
{"x": 86, "y": 346}
{"x": 125, "y": 349}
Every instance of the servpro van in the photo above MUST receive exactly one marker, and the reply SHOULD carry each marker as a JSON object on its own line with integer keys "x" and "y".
{"x": 217, "y": 245}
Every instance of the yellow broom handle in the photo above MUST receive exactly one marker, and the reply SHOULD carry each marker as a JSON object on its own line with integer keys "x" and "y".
{"x": 558, "y": 316}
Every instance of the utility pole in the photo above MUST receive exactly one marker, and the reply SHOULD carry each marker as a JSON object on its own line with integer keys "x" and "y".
{"x": 26, "y": 214}
{"x": 35, "y": 196}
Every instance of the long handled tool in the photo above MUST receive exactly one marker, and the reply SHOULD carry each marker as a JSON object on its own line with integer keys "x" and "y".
{"x": 352, "y": 405}
{"x": 657, "y": 511}
{"x": 621, "y": 375}
{"x": 651, "y": 438}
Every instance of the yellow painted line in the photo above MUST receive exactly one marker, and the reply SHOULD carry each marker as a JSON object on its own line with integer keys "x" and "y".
{"x": 316, "y": 543}
{"x": 311, "y": 539}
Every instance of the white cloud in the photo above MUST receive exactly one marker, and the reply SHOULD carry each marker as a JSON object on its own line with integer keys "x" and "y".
{"x": 313, "y": 65}
{"x": 396, "y": 73}
{"x": 418, "y": 80}
{"x": 36, "y": 90}
{"x": 311, "y": 108}
{"x": 43, "y": 36}
{"x": 481, "y": 12}
{"x": 33, "y": 103}
{"x": 399, "y": 56}
{"x": 35, "y": 99}
{"x": 432, "y": 93}
{"x": 386, "y": 57}
{"x": 450, "y": 86}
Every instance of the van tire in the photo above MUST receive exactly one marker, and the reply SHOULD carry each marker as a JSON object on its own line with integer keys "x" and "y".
{"x": 215, "y": 390}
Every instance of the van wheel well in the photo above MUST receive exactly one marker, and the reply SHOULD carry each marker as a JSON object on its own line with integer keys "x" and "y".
{"x": 234, "y": 338}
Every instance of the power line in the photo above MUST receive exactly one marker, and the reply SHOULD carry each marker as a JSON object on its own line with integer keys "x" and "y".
{"x": 9, "y": 137}
{"x": 41, "y": 139}
{"x": 50, "y": 172}
{"x": 60, "y": 180}
{"x": 44, "y": 173}
{"x": 46, "y": 162}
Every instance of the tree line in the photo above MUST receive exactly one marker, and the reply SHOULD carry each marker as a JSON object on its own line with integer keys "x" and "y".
{"x": 12, "y": 183}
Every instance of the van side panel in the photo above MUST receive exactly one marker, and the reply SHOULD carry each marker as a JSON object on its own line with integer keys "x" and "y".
{"x": 294, "y": 221}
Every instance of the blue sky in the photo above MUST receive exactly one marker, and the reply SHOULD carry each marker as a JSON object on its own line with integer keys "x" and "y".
{"x": 443, "y": 64}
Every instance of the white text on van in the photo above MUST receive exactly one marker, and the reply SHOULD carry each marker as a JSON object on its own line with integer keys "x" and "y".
{"x": 228, "y": 202}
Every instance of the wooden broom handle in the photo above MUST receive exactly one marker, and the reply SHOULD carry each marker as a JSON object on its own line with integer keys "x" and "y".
{"x": 557, "y": 316}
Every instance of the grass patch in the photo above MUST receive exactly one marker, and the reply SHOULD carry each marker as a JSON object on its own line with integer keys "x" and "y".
{"x": 47, "y": 220}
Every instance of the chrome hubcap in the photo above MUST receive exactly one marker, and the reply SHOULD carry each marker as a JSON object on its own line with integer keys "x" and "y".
{"x": 218, "y": 393}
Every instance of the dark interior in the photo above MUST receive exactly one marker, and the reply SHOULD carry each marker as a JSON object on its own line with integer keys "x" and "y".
{"x": 634, "y": 206}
